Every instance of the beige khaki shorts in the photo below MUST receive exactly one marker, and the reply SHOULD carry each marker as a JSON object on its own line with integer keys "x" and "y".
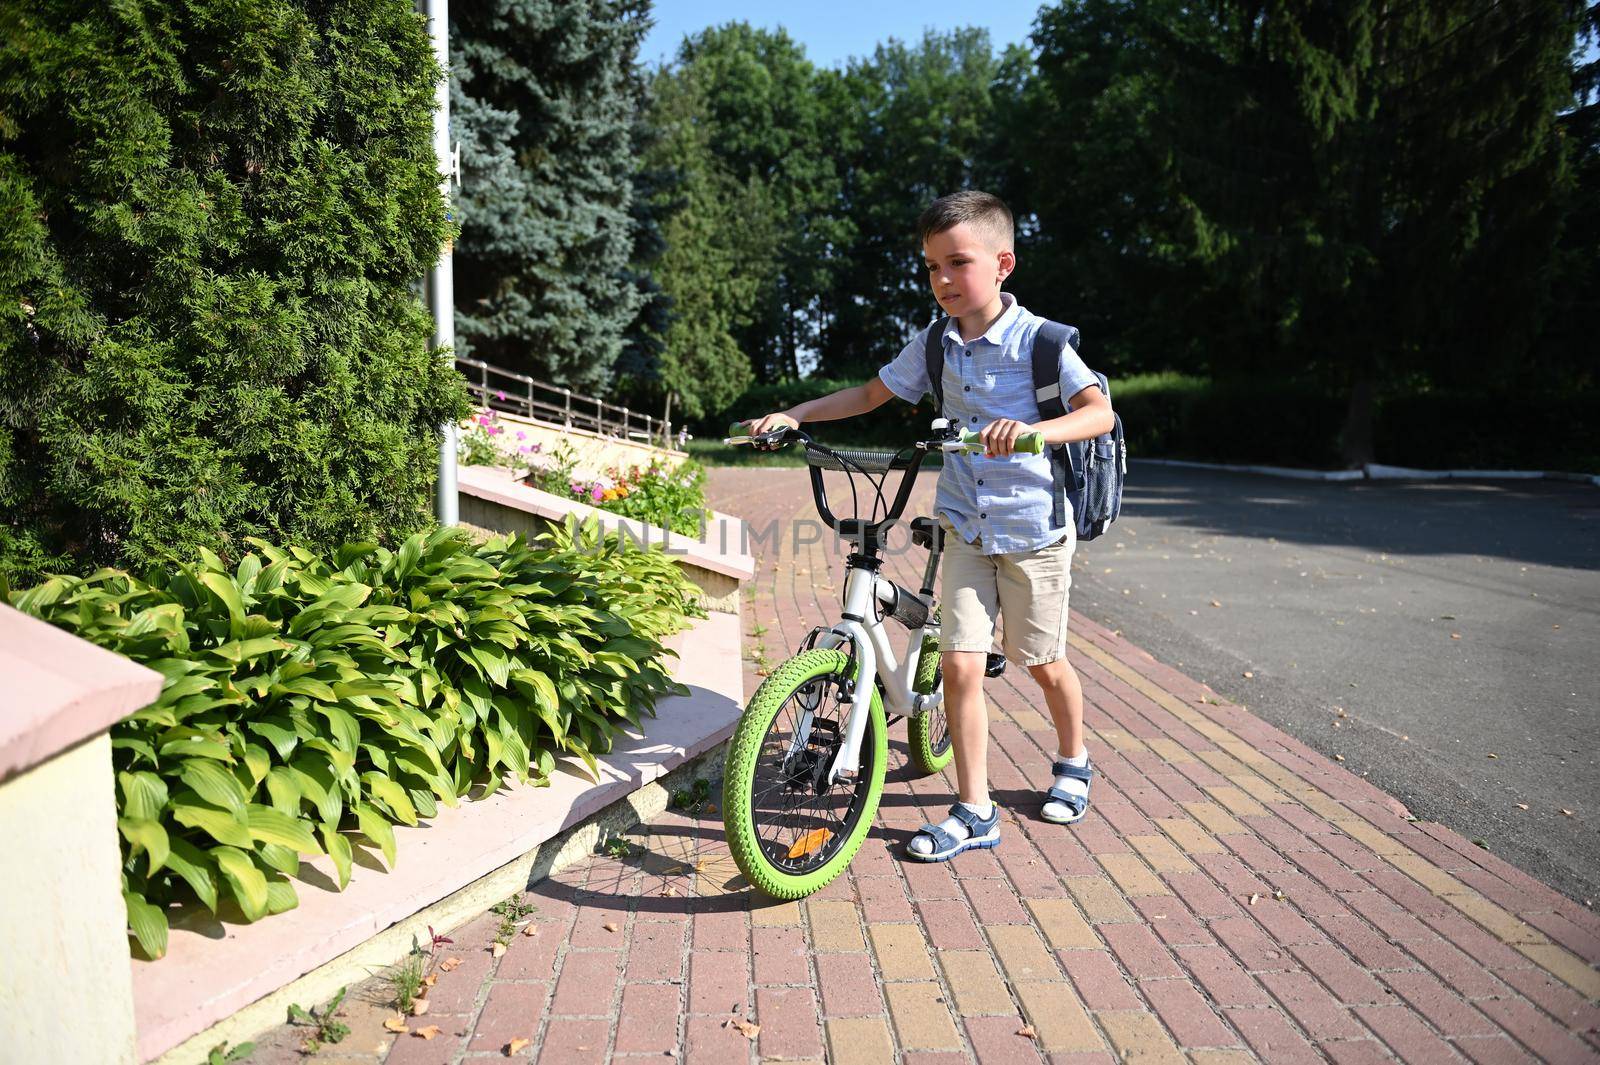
{"x": 1029, "y": 588}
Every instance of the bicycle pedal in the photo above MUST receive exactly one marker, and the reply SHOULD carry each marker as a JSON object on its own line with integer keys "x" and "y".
{"x": 995, "y": 664}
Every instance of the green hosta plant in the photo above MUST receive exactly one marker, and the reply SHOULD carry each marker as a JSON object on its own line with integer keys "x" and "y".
{"x": 312, "y": 703}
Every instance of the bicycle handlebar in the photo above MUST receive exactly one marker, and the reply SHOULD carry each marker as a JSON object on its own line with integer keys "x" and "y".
{"x": 1031, "y": 443}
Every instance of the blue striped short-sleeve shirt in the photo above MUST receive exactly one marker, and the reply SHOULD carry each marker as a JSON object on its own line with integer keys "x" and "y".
{"x": 1004, "y": 501}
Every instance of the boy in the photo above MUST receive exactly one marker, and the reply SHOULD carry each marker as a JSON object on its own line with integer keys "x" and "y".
{"x": 1003, "y": 554}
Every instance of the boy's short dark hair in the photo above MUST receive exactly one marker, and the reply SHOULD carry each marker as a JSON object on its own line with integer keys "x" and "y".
{"x": 984, "y": 211}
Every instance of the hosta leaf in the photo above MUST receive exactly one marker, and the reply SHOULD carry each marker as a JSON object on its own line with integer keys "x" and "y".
{"x": 148, "y": 836}
{"x": 220, "y": 825}
{"x": 213, "y": 784}
{"x": 257, "y": 761}
{"x": 283, "y": 859}
{"x": 338, "y": 848}
{"x": 147, "y": 923}
{"x": 248, "y": 883}
{"x": 280, "y": 895}
{"x": 273, "y": 826}
{"x": 143, "y": 795}
{"x": 222, "y": 586}
{"x": 377, "y": 828}
{"x": 391, "y": 794}
{"x": 282, "y": 738}
{"x": 536, "y": 686}
{"x": 196, "y": 869}
{"x": 164, "y": 617}
{"x": 284, "y": 790}
{"x": 308, "y": 686}
{"x": 238, "y": 651}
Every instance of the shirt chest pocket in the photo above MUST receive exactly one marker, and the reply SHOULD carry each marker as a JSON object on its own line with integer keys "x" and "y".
{"x": 1008, "y": 389}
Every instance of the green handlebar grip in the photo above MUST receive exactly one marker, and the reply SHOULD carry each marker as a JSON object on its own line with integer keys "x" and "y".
{"x": 1032, "y": 443}
{"x": 738, "y": 429}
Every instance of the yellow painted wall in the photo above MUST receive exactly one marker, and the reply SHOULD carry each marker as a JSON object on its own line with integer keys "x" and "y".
{"x": 66, "y": 988}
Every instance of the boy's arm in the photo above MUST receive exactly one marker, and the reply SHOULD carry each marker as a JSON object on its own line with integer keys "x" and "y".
{"x": 845, "y": 403}
{"x": 1089, "y": 416}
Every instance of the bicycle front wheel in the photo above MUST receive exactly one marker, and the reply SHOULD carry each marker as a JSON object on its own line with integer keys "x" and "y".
{"x": 789, "y": 830}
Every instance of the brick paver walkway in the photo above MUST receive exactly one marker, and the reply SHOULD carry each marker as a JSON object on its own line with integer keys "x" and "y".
{"x": 1233, "y": 896}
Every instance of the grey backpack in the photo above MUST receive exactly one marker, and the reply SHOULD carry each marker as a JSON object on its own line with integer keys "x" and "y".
{"x": 1088, "y": 474}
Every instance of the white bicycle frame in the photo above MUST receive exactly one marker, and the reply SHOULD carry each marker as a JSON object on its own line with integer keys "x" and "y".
{"x": 875, "y": 658}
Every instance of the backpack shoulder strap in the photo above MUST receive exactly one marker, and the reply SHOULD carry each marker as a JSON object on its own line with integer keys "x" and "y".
{"x": 1048, "y": 343}
{"x": 933, "y": 350}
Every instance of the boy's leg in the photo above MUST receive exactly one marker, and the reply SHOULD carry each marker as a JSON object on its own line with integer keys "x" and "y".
{"x": 968, "y": 719}
{"x": 970, "y": 606}
{"x": 1063, "y": 694}
{"x": 1033, "y": 589}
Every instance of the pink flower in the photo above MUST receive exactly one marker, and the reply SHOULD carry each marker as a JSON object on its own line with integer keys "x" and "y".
{"x": 522, "y": 436}
{"x": 495, "y": 430}
{"x": 500, "y": 395}
{"x": 597, "y": 493}
{"x": 483, "y": 419}
{"x": 536, "y": 448}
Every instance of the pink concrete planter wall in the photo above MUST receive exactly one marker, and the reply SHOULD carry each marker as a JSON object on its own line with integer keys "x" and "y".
{"x": 59, "y": 691}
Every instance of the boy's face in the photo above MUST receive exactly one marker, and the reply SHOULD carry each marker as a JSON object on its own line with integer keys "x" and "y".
{"x": 965, "y": 269}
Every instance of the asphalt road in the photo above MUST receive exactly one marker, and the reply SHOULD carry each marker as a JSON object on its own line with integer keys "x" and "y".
{"x": 1442, "y": 638}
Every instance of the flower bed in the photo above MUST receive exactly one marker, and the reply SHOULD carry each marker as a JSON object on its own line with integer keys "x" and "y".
{"x": 657, "y": 493}
{"x": 309, "y": 701}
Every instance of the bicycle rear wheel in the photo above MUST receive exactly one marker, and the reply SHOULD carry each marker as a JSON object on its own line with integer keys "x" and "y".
{"x": 928, "y": 733}
{"x": 790, "y": 832}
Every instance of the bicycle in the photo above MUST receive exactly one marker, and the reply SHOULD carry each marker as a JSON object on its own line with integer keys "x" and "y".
{"x": 808, "y": 756}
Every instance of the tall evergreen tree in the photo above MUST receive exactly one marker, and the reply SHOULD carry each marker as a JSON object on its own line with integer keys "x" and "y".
{"x": 544, "y": 101}
{"x": 216, "y": 219}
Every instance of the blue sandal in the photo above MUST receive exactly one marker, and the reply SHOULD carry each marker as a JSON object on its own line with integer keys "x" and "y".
{"x": 1078, "y": 804}
{"x": 985, "y": 834}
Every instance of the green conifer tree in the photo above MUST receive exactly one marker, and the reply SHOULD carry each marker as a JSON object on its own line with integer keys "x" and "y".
{"x": 544, "y": 102}
{"x": 216, "y": 220}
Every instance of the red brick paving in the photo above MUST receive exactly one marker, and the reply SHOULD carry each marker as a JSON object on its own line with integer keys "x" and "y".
{"x": 1393, "y": 939}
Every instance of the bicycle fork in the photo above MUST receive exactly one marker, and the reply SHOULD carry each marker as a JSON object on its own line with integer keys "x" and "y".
{"x": 864, "y": 590}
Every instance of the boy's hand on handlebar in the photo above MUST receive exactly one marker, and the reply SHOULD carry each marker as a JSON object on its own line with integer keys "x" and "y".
{"x": 770, "y": 422}
{"x": 1000, "y": 437}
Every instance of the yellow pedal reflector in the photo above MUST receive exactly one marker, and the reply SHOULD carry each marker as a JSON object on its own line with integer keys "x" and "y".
{"x": 809, "y": 843}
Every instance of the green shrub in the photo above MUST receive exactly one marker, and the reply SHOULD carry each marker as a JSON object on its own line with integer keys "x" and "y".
{"x": 216, "y": 216}
{"x": 309, "y": 699}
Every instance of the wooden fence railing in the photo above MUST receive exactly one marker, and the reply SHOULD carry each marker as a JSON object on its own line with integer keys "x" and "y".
{"x": 516, "y": 393}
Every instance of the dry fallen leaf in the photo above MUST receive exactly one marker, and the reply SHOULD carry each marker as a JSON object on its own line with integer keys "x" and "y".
{"x": 427, "y": 1033}
{"x": 1338, "y": 758}
{"x": 748, "y": 1030}
{"x": 516, "y": 1045}
{"x": 1254, "y": 898}
{"x": 419, "y": 1006}
{"x": 1566, "y": 813}
{"x": 611, "y": 926}
{"x": 1027, "y": 1032}
{"x": 1249, "y": 675}
{"x": 396, "y": 1023}
{"x": 1455, "y": 636}
{"x": 1522, "y": 806}
{"x": 1278, "y": 896}
{"x": 1215, "y": 603}
{"x": 449, "y": 963}
{"x": 668, "y": 892}
{"x": 531, "y": 930}
{"x": 430, "y": 979}
{"x": 498, "y": 950}
{"x": 1493, "y": 755}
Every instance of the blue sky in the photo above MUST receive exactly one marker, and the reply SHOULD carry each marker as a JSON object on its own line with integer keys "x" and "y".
{"x": 834, "y": 30}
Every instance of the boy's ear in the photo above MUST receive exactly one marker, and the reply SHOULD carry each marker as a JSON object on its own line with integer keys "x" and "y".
{"x": 1008, "y": 263}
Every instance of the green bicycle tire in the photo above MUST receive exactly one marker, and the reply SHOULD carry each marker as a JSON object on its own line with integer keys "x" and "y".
{"x": 930, "y": 754}
{"x": 738, "y": 782}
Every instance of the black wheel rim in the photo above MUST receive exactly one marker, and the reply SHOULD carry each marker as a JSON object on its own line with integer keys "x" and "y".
{"x": 786, "y": 805}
